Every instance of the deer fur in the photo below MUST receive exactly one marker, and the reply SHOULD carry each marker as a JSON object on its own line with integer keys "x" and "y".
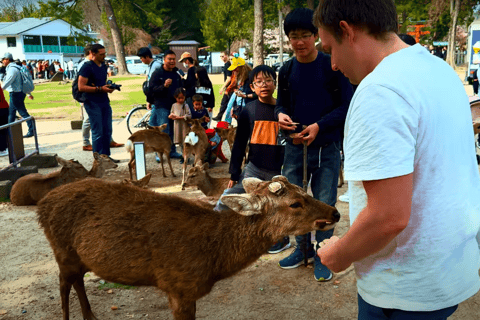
{"x": 155, "y": 140}
{"x": 142, "y": 183}
{"x": 227, "y": 135}
{"x": 211, "y": 187}
{"x": 29, "y": 189}
{"x": 138, "y": 237}
{"x": 196, "y": 148}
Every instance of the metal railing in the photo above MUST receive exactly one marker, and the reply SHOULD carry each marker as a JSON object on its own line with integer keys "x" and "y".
{"x": 11, "y": 146}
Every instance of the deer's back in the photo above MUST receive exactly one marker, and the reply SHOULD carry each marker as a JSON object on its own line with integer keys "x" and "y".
{"x": 29, "y": 189}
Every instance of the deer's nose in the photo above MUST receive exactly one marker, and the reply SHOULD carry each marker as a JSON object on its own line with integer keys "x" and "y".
{"x": 336, "y": 216}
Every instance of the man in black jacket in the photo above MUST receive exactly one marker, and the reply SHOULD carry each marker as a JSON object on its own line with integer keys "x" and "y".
{"x": 162, "y": 85}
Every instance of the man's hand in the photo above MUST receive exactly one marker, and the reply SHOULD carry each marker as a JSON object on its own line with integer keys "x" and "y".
{"x": 207, "y": 119}
{"x": 231, "y": 183}
{"x": 326, "y": 253}
{"x": 310, "y": 133}
{"x": 30, "y": 97}
{"x": 168, "y": 82}
{"x": 149, "y": 106}
{"x": 285, "y": 122}
{"x": 106, "y": 88}
{"x": 209, "y": 110}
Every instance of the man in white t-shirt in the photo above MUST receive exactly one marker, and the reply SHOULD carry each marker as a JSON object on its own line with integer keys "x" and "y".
{"x": 410, "y": 161}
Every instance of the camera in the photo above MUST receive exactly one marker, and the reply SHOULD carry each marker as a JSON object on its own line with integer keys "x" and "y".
{"x": 113, "y": 85}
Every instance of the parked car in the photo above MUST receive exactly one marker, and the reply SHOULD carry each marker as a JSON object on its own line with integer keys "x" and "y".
{"x": 276, "y": 66}
{"x": 135, "y": 65}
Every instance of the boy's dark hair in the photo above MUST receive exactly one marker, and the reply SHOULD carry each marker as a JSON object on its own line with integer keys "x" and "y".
{"x": 300, "y": 18}
{"x": 408, "y": 39}
{"x": 197, "y": 97}
{"x": 180, "y": 91}
{"x": 144, "y": 52}
{"x": 96, "y": 47}
{"x": 169, "y": 52}
{"x": 377, "y": 17}
{"x": 87, "y": 49}
{"x": 266, "y": 70}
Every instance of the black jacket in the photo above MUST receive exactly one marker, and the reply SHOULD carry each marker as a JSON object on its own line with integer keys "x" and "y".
{"x": 159, "y": 95}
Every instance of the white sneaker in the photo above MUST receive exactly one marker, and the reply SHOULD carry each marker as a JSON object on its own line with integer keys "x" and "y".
{"x": 344, "y": 198}
{"x": 4, "y": 153}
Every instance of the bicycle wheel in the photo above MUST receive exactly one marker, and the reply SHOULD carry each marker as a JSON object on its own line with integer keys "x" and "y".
{"x": 138, "y": 118}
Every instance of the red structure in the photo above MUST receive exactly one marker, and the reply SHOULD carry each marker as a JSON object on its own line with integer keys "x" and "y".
{"x": 418, "y": 32}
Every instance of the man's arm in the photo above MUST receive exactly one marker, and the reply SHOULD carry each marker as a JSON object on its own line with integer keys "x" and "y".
{"x": 83, "y": 87}
{"x": 225, "y": 85}
{"x": 386, "y": 215}
{"x": 9, "y": 78}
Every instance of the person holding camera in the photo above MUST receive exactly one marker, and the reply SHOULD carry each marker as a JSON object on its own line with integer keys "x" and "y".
{"x": 93, "y": 81}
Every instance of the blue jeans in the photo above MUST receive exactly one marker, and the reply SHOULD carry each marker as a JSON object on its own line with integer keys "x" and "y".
{"x": 17, "y": 103}
{"x": 323, "y": 165}
{"x": 367, "y": 311}
{"x": 100, "y": 115}
{"x": 250, "y": 171}
{"x": 158, "y": 117}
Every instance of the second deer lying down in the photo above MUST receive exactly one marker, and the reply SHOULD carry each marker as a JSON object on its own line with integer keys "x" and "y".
{"x": 29, "y": 189}
{"x": 138, "y": 237}
{"x": 211, "y": 187}
{"x": 155, "y": 140}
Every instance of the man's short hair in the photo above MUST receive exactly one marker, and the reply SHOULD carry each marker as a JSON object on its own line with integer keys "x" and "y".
{"x": 300, "y": 18}
{"x": 144, "y": 52}
{"x": 167, "y": 52}
{"x": 265, "y": 70}
{"x": 197, "y": 97}
{"x": 87, "y": 49}
{"x": 408, "y": 39}
{"x": 376, "y": 17}
{"x": 96, "y": 47}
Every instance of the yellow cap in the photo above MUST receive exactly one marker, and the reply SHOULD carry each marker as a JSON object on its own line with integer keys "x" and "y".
{"x": 236, "y": 62}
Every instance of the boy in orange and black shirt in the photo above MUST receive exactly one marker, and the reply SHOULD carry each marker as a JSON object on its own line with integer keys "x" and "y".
{"x": 258, "y": 127}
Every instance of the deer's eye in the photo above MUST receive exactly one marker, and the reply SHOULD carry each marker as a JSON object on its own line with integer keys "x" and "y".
{"x": 296, "y": 205}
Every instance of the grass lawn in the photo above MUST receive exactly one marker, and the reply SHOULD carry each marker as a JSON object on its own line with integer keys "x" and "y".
{"x": 54, "y": 100}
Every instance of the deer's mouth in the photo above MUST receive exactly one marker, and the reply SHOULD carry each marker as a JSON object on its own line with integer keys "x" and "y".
{"x": 324, "y": 224}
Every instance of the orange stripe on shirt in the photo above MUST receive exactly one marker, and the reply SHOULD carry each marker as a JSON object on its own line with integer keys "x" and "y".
{"x": 265, "y": 132}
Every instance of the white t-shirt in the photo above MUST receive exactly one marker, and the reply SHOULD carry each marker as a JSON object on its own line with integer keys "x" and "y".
{"x": 411, "y": 114}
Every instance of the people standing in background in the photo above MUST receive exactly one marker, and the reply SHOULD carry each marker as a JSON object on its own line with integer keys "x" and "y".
{"x": 226, "y": 90}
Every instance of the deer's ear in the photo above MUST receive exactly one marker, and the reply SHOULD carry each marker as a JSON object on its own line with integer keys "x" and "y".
{"x": 244, "y": 204}
{"x": 96, "y": 155}
{"x": 163, "y": 127}
{"x": 62, "y": 161}
{"x": 250, "y": 184}
{"x": 205, "y": 166}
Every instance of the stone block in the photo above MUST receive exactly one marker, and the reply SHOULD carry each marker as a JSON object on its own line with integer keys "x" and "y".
{"x": 76, "y": 124}
{"x": 5, "y": 188}
{"x": 13, "y": 174}
{"x": 43, "y": 160}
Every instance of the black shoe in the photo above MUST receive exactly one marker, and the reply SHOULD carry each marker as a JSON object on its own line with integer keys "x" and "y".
{"x": 114, "y": 160}
{"x": 28, "y": 135}
{"x": 217, "y": 118}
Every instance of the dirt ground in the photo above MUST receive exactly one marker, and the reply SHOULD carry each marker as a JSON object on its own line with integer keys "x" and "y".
{"x": 29, "y": 286}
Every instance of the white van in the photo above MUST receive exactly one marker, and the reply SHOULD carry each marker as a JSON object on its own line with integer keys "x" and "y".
{"x": 135, "y": 65}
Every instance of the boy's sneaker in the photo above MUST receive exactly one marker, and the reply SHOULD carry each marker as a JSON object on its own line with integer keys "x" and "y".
{"x": 280, "y": 246}
{"x": 320, "y": 272}
{"x": 296, "y": 258}
{"x": 344, "y": 198}
{"x": 3, "y": 153}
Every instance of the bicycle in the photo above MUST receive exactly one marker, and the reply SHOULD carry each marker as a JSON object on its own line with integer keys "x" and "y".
{"x": 138, "y": 118}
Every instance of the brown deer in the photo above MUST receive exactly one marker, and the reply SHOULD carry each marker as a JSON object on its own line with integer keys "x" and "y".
{"x": 196, "y": 143}
{"x": 142, "y": 183}
{"x": 29, "y": 189}
{"x": 227, "y": 135}
{"x": 211, "y": 187}
{"x": 155, "y": 140}
{"x": 138, "y": 237}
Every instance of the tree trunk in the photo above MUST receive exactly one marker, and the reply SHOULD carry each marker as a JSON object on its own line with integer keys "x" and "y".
{"x": 454, "y": 10}
{"x": 116, "y": 37}
{"x": 258, "y": 33}
{"x": 311, "y": 4}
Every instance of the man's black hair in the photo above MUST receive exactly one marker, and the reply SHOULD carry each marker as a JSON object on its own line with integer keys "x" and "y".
{"x": 300, "y": 18}
{"x": 265, "y": 70}
{"x": 168, "y": 52}
{"x": 144, "y": 52}
{"x": 408, "y": 39}
{"x": 96, "y": 47}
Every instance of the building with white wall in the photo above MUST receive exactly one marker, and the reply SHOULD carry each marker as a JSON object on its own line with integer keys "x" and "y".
{"x": 40, "y": 39}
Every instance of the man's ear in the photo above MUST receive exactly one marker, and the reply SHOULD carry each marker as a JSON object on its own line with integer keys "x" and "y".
{"x": 347, "y": 31}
